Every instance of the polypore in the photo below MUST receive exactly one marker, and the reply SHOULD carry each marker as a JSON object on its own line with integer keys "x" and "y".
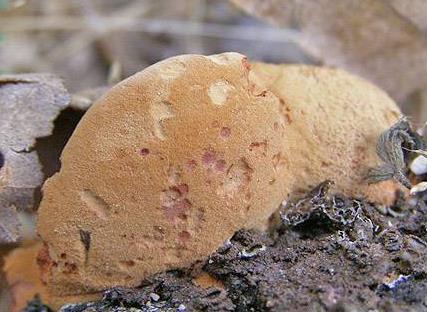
{"x": 173, "y": 160}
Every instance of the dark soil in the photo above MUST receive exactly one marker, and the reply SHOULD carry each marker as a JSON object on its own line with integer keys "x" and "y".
{"x": 331, "y": 253}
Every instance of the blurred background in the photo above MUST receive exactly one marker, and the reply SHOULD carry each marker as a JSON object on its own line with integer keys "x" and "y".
{"x": 92, "y": 43}
{"x": 85, "y": 41}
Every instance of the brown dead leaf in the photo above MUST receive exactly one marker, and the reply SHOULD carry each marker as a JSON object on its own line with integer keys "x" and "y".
{"x": 381, "y": 40}
{"x": 28, "y": 106}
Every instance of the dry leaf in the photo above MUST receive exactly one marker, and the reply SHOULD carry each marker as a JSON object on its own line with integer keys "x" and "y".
{"x": 28, "y": 106}
{"x": 381, "y": 40}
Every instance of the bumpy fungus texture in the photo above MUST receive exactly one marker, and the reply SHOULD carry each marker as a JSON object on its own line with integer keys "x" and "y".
{"x": 335, "y": 122}
{"x": 175, "y": 159}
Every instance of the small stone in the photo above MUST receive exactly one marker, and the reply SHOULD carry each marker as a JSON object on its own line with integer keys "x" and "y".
{"x": 252, "y": 251}
{"x": 419, "y": 188}
{"x": 419, "y": 165}
{"x": 155, "y": 297}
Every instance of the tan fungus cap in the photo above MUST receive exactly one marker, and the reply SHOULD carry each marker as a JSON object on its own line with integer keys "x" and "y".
{"x": 175, "y": 159}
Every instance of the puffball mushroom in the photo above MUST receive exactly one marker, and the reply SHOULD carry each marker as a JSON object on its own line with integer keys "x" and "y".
{"x": 160, "y": 172}
{"x": 175, "y": 159}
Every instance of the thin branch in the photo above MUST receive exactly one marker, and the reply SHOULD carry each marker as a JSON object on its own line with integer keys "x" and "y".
{"x": 155, "y": 26}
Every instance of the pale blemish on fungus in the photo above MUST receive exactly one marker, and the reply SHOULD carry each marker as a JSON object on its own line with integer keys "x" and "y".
{"x": 174, "y": 175}
{"x": 95, "y": 204}
{"x": 219, "y": 91}
{"x": 175, "y": 203}
{"x": 160, "y": 111}
{"x": 219, "y": 59}
{"x": 173, "y": 71}
{"x": 237, "y": 179}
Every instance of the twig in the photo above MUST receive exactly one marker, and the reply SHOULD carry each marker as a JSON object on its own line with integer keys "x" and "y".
{"x": 159, "y": 26}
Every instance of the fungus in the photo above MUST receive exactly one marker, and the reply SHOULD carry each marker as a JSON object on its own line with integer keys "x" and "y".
{"x": 121, "y": 198}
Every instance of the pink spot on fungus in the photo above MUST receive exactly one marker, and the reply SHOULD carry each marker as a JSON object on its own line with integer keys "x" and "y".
{"x": 144, "y": 151}
{"x": 213, "y": 163}
{"x": 220, "y": 165}
{"x": 225, "y": 132}
{"x": 209, "y": 158}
